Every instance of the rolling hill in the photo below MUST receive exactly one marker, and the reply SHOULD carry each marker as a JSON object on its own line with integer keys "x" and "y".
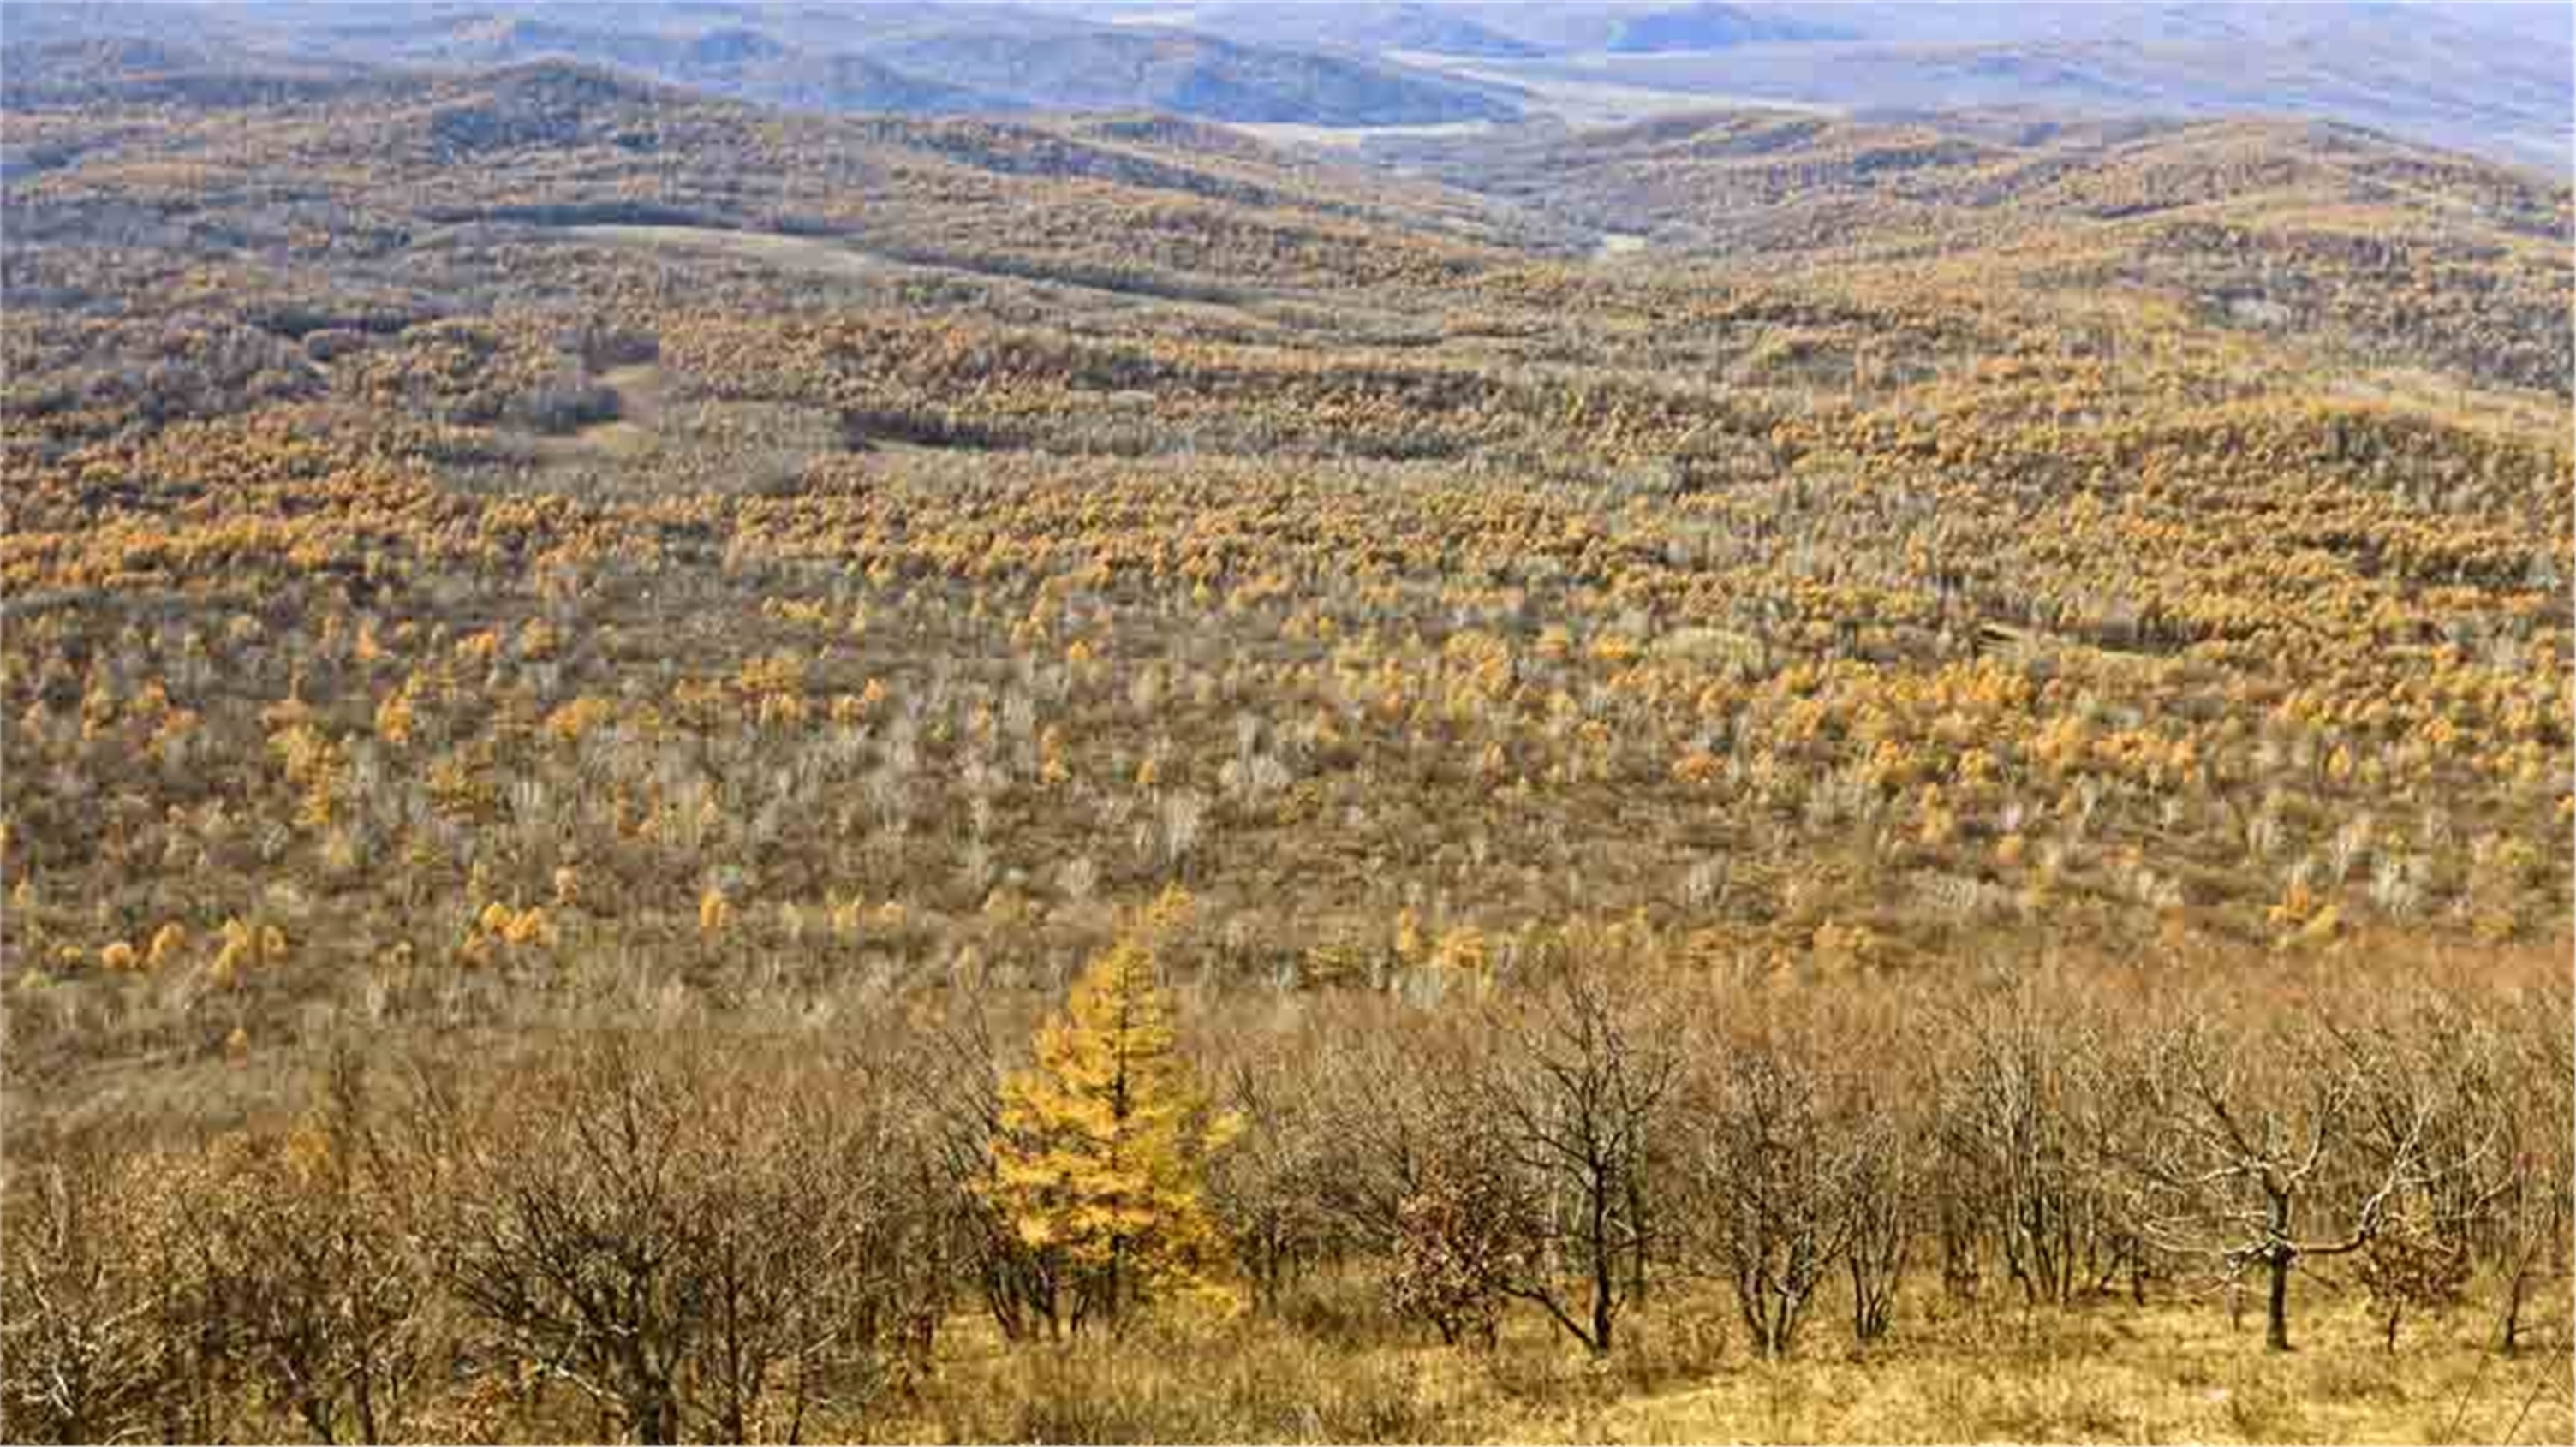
{"x": 2488, "y": 78}
{"x": 1368, "y": 28}
{"x": 689, "y": 765}
{"x": 1193, "y": 75}
{"x": 2323, "y": 229}
{"x": 896, "y": 59}
{"x": 1712, "y": 27}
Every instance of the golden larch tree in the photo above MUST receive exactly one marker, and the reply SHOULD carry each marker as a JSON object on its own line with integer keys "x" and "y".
{"x": 1098, "y": 1160}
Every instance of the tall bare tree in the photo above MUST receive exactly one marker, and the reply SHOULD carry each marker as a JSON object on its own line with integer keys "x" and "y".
{"x": 1777, "y": 1186}
{"x": 2532, "y": 1099}
{"x": 1886, "y": 1188}
{"x": 1584, "y": 1077}
{"x": 2027, "y": 1133}
{"x": 951, "y": 1079}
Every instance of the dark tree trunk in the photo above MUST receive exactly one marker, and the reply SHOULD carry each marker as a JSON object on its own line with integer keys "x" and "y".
{"x": 2276, "y": 1326}
{"x": 2279, "y": 1255}
{"x": 1600, "y": 1321}
{"x": 1636, "y": 1241}
{"x": 1603, "y": 1267}
{"x": 653, "y": 1426}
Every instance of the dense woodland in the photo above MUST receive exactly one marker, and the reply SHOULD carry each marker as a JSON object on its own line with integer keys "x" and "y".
{"x": 677, "y": 771}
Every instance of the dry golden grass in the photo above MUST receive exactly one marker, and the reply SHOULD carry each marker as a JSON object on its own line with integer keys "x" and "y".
{"x": 2175, "y": 1374}
{"x": 1334, "y": 1369}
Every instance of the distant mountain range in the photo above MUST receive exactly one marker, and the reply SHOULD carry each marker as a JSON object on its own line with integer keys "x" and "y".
{"x": 2493, "y": 79}
{"x": 1436, "y": 29}
{"x": 1713, "y": 27}
{"x": 909, "y": 59}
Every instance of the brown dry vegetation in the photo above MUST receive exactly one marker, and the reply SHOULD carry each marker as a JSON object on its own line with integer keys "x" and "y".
{"x": 604, "y": 597}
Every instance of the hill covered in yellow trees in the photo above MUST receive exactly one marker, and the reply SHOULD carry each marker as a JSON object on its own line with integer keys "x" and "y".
{"x": 1992, "y": 674}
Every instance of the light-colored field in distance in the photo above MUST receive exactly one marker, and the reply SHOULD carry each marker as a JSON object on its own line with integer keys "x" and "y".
{"x": 1589, "y": 102}
{"x": 642, "y": 393}
{"x": 810, "y": 254}
{"x": 1350, "y": 138}
{"x": 1179, "y": 15}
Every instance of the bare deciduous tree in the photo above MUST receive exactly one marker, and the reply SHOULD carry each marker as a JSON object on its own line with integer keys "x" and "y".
{"x": 1390, "y": 1108}
{"x": 952, "y": 1081}
{"x": 76, "y": 1306}
{"x": 798, "y": 1264}
{"x": 1777, "y": 1187}
{"x": 1268, "y": 1190}
{"x": 689, "y": 1242}
{"x": 569, "y": 1237}
{"x": 2531, "y": 1098}
{"x": 333, "y": 1294}
{"x": 1463, "y": 1237}
{"x": 1586, "y": 1074}
{"x": 2026, "y": 1129}
{"x": 2287, "y": 1142}
{"x": 1885, "y": 1201}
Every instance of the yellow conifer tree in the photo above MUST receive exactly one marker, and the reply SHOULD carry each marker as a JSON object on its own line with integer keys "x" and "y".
{"x": 1103, "y": 1137}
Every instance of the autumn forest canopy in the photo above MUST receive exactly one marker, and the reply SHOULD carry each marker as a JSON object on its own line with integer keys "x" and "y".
{"x": 705, "y": 766}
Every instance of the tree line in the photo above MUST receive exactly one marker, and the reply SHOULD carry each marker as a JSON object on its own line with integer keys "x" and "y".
{"x": 678, "y": 1234}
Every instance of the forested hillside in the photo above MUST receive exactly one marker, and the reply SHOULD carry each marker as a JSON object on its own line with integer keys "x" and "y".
{"x": 1754, "y": 774}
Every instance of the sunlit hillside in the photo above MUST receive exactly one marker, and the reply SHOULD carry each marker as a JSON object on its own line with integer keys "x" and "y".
{"x": 677, "y": 770}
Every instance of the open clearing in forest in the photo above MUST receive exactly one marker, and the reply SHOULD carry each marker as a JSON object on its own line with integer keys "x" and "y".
{"x": 812, "y": 255}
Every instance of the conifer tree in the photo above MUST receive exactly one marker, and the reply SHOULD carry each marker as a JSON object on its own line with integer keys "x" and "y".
{"x": 1098, "y": 1160}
